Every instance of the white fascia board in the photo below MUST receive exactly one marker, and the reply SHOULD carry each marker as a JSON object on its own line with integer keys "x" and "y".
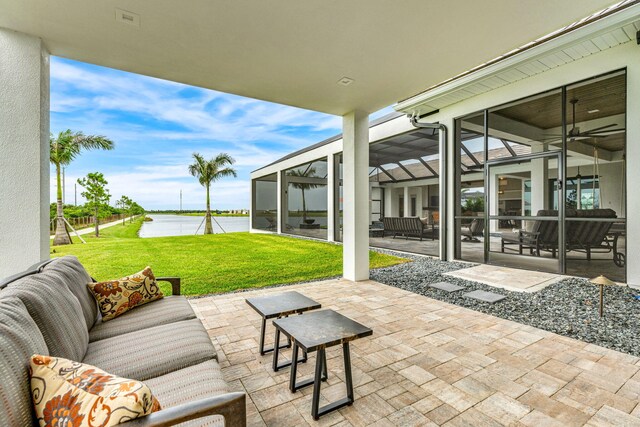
{"x": 306, "y": 157}
{"x": 377, "y": 133}
{"x": 602, "y": 26}
{"x": 618, "y": 57}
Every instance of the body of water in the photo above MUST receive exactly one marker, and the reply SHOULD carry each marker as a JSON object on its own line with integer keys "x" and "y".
{"x": 182, "y": 225}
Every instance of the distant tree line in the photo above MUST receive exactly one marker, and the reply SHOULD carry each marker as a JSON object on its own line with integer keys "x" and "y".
{"x": 192, "y": 211}
{"x": 80, "y": 211}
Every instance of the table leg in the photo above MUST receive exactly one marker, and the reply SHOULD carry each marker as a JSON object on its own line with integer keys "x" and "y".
{"x": 262, "y": 332}
{"x": 294, "y": 359}
{"x": 276, "y": 346}
{"x": 321, "y": 366}
{"x": 294, "y": 369}
{"x": 315, "y": 399}
{"x": 293, "y": 384}
{"x": 347, "y": 371}
{"x": 263, "y": 350}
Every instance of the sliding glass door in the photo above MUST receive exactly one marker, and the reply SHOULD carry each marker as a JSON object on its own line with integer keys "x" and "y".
{"x": 541, "y": 181}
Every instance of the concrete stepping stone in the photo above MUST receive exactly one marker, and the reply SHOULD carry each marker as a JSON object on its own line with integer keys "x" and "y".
{"x": 446, "y": 286}
{"x": 485, "y": 296}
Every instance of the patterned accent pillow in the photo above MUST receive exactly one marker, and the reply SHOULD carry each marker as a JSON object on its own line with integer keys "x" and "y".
{"x": 117, "y": 296}
{"x": 67, "y": 393}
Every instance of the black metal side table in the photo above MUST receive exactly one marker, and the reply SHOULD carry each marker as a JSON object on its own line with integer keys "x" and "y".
{"x": 316, "y": 332}
{"x": 277, "y": 306}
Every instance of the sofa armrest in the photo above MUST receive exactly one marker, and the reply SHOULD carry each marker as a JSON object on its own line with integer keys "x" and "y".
{"x": 232, "y": 406}
{"x": 175, "y": 283}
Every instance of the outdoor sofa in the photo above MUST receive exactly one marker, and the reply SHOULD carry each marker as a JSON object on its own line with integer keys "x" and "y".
{"x": 48, "y": 310}
{"x": 408, "y": 227}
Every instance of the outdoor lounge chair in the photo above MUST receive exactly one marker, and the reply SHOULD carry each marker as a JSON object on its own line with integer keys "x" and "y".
{"x": 471, "y": 231}
{"x": 581, "y": 236}
{"x": 590, "y": 236}
{"x": 272, "y": 222}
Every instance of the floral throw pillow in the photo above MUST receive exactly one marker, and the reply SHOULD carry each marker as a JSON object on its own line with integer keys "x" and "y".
{"x": 118, "y": 296}
{"x": 67, "y": 393}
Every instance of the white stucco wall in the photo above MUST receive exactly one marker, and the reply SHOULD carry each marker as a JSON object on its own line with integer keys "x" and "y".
{"x": 24, "y": 148}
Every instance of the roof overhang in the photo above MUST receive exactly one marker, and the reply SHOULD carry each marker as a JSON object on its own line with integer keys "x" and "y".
{"x": 294, "y": 52}
{"x": 601, "y": 32}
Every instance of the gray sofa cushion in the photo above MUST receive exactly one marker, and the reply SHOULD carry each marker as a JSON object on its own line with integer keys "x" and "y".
{"x": 190, "y": 384}
{"x": 153, "y": 352}
{"x": 57, "y": 313}
{"x": 160, "y": 312}
{"x": 19, "y": 339}
{"x": 69, "y": 270}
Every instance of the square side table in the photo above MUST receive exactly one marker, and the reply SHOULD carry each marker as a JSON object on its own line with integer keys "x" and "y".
{"x": 316, "y": 332}
{"x": 278, "y": 306}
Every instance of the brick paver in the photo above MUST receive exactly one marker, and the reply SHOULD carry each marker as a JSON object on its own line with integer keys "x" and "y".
{"x": 428, "y": 363}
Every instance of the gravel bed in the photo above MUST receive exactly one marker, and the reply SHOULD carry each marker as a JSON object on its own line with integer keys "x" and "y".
{"x": 569, "y": 307}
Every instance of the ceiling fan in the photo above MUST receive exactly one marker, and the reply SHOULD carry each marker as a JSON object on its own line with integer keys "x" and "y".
{"x": 574, "y": 133}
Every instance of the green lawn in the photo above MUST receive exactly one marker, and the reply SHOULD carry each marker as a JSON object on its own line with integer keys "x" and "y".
{"x": 214, "y": 263}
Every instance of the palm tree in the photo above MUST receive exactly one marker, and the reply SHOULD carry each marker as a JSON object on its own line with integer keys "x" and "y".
{"x": 208, "y": 171}
{"x": 302, "y": 186}
{"x": 63, "y": 149}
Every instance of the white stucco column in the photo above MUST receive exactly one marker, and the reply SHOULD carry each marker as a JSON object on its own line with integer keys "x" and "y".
{"x": 388, "y": 201}
{"x": 24, "y": 151}
{"x": 280, "y": 205}
{"x": 419, "y": 203}
{"x": 331, "y": 198}
{"x": 355, "y": 163}
{"x": 539, "y": 185}
{"x": 449, "y": 198}
{"x": 633, "y": 172}
{"x": 406, "y": 201}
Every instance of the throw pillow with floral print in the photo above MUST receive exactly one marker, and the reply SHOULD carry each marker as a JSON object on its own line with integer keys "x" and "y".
{"x": 118, "y": 296}
{"x": 67, "y": 393}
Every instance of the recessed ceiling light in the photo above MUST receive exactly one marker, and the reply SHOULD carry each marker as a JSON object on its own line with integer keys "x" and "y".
{"x": 345, "y": 81}
{"x": 593, "y": 111}
{"x": 128, "y": 18}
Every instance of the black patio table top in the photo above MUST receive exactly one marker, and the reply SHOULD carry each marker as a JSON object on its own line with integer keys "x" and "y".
{"x": 281, "y": 305}
{"x": 321, "y": 329}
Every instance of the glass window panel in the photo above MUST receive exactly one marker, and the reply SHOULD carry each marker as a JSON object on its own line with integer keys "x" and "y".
{"x": 471, "y": 232}
{"x": 469, "y": 210}
{"x": 339, "y": 201}
{"x": 306, "y": 200}
{"x": 395, "y": 171}
{"x": 404, "y": 183}
{"x": 532, "y": 247}
{"x": 265, "y": 190}
{"x": 416, "y": 168}
{"x": 530, "y": 125}
{"x": 596, "y": 193}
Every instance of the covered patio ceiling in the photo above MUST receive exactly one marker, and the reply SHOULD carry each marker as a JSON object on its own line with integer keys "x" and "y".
{"x": 293, "y": 52}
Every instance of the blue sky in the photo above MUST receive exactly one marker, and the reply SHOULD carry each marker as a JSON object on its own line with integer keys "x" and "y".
{"x": 157, "y": 125}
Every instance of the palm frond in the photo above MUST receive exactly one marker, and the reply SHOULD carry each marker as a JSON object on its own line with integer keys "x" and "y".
{"x": 68, "y": 145}
{"x": 208, "y": 171}
{"x": 223, "y": 159}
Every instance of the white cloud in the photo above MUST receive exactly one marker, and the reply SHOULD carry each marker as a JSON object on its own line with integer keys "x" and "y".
{"x": 158, "y": 124}
{"x": 207, "y": 115}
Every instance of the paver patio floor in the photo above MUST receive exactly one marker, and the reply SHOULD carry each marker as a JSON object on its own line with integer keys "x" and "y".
{"x": 427, "y": 363}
